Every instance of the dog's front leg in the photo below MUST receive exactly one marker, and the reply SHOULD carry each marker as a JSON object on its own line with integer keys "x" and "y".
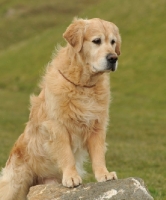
{"x": 96, "y": 147}
{"x": 66, "y": 162}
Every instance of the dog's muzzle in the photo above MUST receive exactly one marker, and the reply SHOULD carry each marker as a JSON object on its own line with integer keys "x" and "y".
{"x": 111, "y": 61}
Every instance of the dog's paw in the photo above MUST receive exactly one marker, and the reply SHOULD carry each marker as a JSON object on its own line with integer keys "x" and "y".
{"x": 106, "y": 176}
{"x": 71, "y": 181}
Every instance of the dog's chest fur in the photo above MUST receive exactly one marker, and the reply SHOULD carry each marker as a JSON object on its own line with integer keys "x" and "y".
{"x": 77, "y": 110}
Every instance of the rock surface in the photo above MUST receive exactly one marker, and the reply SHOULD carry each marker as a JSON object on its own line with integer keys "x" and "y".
{"x": 122, "y": 189}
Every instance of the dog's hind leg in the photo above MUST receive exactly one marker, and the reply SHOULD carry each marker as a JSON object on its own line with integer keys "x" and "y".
{"x": 15, "y": 182}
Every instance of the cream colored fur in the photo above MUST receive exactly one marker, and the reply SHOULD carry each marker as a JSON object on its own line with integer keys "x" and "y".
{"x": 68, "y": 118}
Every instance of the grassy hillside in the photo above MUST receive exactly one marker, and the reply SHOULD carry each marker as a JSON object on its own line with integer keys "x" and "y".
{"x": 136, "y": 135}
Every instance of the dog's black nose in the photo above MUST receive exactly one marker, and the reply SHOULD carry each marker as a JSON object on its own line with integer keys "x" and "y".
{"x": 111, "y": 58}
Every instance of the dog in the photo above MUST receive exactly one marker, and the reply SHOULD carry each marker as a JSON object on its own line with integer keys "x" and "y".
{"x": 68, "y": 119}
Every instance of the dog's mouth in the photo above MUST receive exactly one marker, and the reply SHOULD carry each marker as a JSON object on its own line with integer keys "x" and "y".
{"x": 108, "y": 67}
{"x": 112, "y": 67}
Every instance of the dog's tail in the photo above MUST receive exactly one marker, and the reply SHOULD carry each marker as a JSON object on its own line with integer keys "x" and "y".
{"x": 15, "y": 182}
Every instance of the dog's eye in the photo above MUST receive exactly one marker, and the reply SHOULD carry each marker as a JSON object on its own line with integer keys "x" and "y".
{"x": 97, "y": 41}
{"x": 112, "y": 42}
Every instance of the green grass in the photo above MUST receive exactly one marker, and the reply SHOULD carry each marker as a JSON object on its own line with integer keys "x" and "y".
{"x": 136, "y": 134}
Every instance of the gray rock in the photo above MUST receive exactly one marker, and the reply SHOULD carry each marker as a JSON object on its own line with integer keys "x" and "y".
{"x": 122, "y": 189}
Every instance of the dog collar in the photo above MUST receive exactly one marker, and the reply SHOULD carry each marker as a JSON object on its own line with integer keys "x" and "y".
{"x": 86, "y": 86}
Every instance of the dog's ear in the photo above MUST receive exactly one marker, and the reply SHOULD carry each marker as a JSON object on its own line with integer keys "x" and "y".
{"x": 118, "y": 46}
{"x": 118, "y": 42}
{"x": 74, "y": 34}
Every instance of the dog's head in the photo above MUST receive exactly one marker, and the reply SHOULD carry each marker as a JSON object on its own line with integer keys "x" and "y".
{"x": 97, "y": 41}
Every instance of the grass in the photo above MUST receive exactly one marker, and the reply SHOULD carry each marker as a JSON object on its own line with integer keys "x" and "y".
{"x": 136, "y": 134}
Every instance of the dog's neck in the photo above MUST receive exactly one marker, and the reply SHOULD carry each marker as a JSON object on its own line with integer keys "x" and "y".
{"x": 77, "y": 72}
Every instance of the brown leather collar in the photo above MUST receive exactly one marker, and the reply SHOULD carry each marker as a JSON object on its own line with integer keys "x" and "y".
{"x": 86, "y": 86}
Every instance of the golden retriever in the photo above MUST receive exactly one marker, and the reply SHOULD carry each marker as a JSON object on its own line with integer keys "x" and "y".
{"x": 68, "y": 118}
